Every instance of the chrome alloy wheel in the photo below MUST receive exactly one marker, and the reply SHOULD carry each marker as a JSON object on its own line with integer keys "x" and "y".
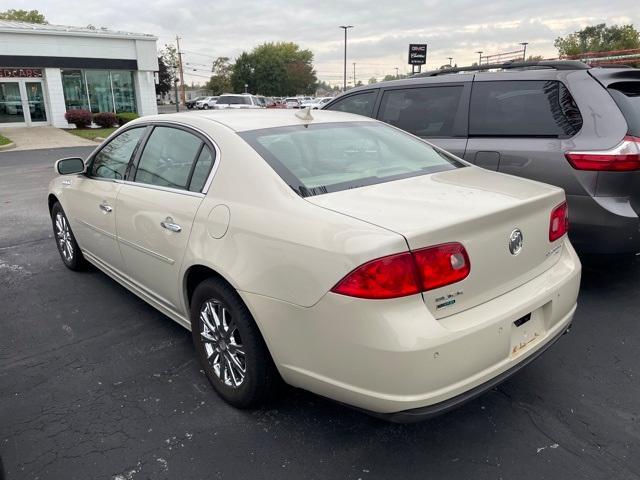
{"x": 63, "y": 235}
{"x": 222, "y": 343}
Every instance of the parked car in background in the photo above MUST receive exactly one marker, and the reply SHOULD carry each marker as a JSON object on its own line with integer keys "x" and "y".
{"x": 236, "y": 101}
{"x": 272, "y": 237}
{"x": 558, "y": 122}
{"x": 292, "y": 102}
{"x": 206, "y": 103}
{"x": 190, "y": 104}
{"x": 307, "y": 103}
{"x": 270, "y": 102}
{"x": 318, "y": 103}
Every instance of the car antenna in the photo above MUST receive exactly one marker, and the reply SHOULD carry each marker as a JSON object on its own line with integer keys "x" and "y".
{"x": 305, "y": 114}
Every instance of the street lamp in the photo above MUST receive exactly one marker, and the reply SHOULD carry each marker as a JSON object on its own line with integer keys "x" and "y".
{"x": 450, "y": 60}
{"x": 524, "y": 51}
{"x": 246, "y": 85}
{"x": 345, "y": 28}
{"x": 480, "y": 57}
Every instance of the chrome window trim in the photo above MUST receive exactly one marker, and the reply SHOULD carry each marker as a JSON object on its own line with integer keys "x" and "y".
{"x": 161, "y": 188}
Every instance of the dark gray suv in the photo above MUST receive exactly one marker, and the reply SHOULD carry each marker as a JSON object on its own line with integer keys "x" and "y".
{"x": 560, "y": 122}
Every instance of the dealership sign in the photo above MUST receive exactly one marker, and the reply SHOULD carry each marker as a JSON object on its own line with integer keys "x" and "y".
{"x": 417, "y": 53}
{"x": 20, "y": 72}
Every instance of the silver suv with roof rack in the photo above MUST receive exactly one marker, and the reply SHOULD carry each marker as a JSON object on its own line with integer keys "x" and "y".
{"x": 558, "y": 122}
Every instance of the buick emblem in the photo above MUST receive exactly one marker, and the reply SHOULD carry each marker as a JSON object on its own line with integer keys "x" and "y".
{"x": 515, "y": 241}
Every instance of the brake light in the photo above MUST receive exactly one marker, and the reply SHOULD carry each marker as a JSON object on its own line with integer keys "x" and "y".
{"x": 624, "y": 157}
{"x": 407, "y": 273}
{"x": 559, "y": 223}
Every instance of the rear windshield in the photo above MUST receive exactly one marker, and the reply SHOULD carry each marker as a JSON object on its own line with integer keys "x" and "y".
{"x": 627, "y": 97}
{"x": 232, "y": 100}
{"x": 329, "y": 157}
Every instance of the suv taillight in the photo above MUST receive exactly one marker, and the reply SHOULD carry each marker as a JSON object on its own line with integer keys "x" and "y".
{"x": 407, "y": 273}
{"x": 624, "y": 157}
{"x": 559, "y": 222}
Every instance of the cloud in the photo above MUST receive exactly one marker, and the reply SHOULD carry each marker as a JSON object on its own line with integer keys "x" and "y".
{"x": 378, "y": 43}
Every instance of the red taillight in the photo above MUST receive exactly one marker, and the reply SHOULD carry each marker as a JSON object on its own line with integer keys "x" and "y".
{"x": 625, "y": 157}
{"x": 407, "y": 273}
{"x": 559, "y": 223}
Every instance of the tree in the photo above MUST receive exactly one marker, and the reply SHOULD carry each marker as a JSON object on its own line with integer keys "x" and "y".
{"x": 373, "y": 80}
{"x": 29, "y": 16}
{"x": 164, "y": 85}
{"x": 534, "y": 58}
{"x": 220, "y": 81}
{"x": 278, "y": 69}
{"x": 598, "y": 38}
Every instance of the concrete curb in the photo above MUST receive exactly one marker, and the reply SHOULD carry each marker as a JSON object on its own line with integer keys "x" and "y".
{"x": 8, "y": 146}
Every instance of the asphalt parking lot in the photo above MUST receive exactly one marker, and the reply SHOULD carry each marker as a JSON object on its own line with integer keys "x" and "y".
{"x": 94, "y": 383}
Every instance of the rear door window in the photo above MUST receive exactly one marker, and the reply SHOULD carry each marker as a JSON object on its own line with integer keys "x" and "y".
{"x": 529, "y": 108}
{"x": 359, "y": 103}
{"x": 168, "y": 158}
{"x": 425, "y": 112}
{"x": 627, "y": 97}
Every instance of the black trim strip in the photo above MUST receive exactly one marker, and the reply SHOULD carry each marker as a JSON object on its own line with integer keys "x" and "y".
{"x": 25, "y": 61}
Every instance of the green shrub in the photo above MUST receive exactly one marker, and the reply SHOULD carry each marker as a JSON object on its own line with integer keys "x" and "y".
{"x": 105, "y": 119}
{"x": 79, "y": 117}
{"x": 126, "y": 117}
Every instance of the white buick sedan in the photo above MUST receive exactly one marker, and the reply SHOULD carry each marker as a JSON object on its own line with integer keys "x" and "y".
{"x": 328, "y": 250}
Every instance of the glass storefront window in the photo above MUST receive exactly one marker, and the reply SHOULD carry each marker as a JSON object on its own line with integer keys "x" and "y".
{"x": 35, "y": 98}
{"x": 75, "y": 92}
{"x": 99, "y": 86}
{"x": 123, "y": 91}
{"x": 108, "y": 90}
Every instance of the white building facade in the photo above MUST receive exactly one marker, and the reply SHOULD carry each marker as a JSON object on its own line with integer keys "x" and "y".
{"x": 46, "y": 70}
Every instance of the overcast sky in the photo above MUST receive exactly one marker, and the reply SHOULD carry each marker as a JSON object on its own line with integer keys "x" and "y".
{"x": 377, "y": 44}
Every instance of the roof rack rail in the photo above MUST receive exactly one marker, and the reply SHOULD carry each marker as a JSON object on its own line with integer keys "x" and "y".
{"x": 552, "y": 64}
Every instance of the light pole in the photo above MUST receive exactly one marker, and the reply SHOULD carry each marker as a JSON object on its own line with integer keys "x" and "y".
{"x": 345, "y": 28}
{"x": 450, "y": 60}
{"x": 524, "y": 50}
{"x": 397, "y": 75}
{"x": 480, "y": 57}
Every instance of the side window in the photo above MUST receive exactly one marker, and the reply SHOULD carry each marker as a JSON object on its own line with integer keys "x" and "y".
{"x": 523, "y": 109}
{"x": 111, "y": 161}
{"x": 425, "y": 112}
{"x": 201, "y": 170}
{"x": 360, "y": 103}
{"x": 167, "y": 158}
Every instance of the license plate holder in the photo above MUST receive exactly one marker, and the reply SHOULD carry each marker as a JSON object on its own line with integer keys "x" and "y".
{"x": 526, "y": 331}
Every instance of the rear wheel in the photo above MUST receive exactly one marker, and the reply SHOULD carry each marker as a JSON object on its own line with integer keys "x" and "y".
{"x": 206, "y": 107}
{"x": 68, "y": 248}
{"x": 229, "y": 346}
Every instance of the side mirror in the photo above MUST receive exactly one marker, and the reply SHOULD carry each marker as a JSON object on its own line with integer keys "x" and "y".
{"x": 68, "y": 166}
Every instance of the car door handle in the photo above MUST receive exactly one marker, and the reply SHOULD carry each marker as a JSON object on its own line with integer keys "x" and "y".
{"x": 169, "y": 225}
{"x": 105, "y": 207}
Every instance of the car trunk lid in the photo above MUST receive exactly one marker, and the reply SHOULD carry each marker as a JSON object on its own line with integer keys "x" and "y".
{"x": 477, "y": 208}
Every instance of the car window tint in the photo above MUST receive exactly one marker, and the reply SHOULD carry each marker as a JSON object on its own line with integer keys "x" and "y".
{"x": 523, "y": 109}
{"x": 111, "y": 161}
{"x": 201, "y": 170}
{"x": 329, "y": 157}
{"x": 168, "y": 157}
{"x": 360, "y": 104}
{"x": 425, "y": 112}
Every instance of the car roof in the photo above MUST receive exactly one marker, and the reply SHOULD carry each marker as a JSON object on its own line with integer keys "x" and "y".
{"x": 243, "y": 120}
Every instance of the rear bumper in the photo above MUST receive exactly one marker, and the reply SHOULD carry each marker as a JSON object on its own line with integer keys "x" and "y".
{"x": 424, "y": 413}
{"x": 603, "y": 225}
{"x": 393, "y": 356}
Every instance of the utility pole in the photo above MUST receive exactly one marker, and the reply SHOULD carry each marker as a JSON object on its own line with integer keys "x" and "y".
{"x": 397, "y": 75}
{"x": 182, "y": 93}
{"x": 354, "y": 74}
{"x": 345, "y": 28}
{"x": 480, "y": 57}
{"x": 524, "y": 51}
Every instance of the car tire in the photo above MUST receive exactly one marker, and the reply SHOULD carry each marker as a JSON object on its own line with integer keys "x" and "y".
{"x": 206, "y": 107}
{"x": 226, "y": 345}
{"x": 68, "y": 248}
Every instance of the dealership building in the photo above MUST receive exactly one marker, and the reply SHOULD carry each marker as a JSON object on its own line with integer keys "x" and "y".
{"x": 46, "y": 70}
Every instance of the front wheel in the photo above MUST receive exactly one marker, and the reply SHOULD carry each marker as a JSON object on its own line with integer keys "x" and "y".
{"x": 206, "y": 107}
{"x": 68, "y": 248}
{"x": 230, "y": 347}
